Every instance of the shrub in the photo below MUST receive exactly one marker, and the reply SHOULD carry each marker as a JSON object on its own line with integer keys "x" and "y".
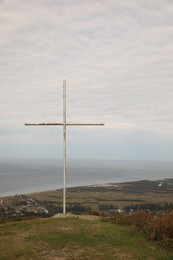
{"x": 155, "y": 226}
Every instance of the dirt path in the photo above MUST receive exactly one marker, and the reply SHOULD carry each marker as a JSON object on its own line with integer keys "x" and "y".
{"x": 83, "y": 217}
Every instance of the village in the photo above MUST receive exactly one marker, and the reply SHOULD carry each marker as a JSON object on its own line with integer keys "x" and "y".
{"x": 21, "y": 206}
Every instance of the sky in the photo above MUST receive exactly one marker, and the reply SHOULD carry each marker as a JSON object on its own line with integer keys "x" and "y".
{"x": 117, "y": 59}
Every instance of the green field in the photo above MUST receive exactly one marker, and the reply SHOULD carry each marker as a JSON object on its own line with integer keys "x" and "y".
{"x": 71, "y": 238}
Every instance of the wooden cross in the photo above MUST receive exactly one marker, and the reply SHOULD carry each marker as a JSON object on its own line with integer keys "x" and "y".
{"x": 64, "y": 124}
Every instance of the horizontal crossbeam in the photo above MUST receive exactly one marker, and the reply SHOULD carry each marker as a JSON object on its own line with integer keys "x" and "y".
{"x": 43, "y": 124}
{"x": 67, "y": 124}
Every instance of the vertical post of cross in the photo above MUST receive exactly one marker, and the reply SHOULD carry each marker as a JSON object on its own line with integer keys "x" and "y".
{"x": 64, "y": 146}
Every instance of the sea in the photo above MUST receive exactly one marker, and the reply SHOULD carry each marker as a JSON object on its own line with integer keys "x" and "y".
{"x": 21, "y": 176}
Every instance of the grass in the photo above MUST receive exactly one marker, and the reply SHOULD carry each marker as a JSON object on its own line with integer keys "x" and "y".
{"x": 74, "y": 239}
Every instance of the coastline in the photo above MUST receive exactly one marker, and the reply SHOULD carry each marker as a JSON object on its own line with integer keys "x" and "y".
{"x": 112, "y": 197}
{"x": 105, "y": 185}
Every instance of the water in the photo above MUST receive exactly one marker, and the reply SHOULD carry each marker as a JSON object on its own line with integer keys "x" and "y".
{"x": 19, "y": 176}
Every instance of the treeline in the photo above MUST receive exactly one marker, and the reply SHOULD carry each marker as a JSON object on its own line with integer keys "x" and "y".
{"x": 150, "y": 207}
{"x": 136, "y": 207}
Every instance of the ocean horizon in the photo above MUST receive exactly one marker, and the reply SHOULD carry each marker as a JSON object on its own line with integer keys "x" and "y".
{"x": 21, "y": 176}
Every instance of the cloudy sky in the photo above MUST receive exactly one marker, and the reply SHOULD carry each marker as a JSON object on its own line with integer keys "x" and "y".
{"x": 117, "y": 58}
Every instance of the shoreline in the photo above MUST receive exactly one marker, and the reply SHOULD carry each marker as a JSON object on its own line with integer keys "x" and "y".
{"x": 29, "y": 176}
{"x": 104, "y": 185}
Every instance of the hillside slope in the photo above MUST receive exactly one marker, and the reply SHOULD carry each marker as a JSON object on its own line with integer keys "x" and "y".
{"x": 72, "y": 238}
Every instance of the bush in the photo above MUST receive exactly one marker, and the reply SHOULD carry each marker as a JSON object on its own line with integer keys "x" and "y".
{"x": 155, "y": 226}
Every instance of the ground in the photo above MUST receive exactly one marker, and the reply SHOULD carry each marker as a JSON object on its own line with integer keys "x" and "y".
{"x": 74, "y": 238}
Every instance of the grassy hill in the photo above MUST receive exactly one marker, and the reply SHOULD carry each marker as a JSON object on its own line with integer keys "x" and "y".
{"x": 72, "y": 238}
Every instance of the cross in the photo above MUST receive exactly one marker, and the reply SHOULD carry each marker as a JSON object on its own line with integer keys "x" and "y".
{"x": 64, "y": 124}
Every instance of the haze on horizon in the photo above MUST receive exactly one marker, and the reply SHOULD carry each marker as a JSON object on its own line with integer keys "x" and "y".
{"x": 117, "y": 58}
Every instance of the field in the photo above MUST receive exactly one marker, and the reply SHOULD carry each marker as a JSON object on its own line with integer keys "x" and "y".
{"x": 72, "y": 238}
{"x": 112, "y": 196}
